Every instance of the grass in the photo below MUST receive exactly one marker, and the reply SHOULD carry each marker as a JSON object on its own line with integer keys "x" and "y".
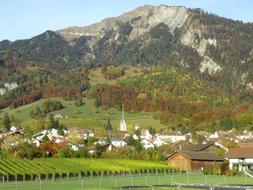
{"x": 96, "y": 76}
{"x": 114, "y": 182}
{"x": 88, "y": 166}
{"x": 22, "y": 113}
{"x": 85, "y": 116}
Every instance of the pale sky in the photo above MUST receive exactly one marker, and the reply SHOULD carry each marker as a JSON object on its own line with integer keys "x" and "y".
{"x": 22, "y": 19}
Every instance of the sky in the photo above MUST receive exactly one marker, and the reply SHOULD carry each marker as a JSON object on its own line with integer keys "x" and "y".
{"x": 22, "y": 19}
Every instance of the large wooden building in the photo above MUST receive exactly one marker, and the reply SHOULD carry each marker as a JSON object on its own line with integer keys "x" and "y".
{"x": 194, "y": 161}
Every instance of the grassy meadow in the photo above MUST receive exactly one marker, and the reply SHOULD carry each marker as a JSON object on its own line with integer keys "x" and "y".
{"x": 85, "y": 116}
{"x": 96, "y": 76}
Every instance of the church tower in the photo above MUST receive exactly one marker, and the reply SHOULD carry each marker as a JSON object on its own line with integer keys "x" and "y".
{"x": 123, "y": 122}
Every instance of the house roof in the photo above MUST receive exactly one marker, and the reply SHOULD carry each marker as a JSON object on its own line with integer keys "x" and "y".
{"x": 245, "y": 144}
{"x": 117, "y": 140}
{"x": 246, "y": 152}
{"x": 117, "y": 134}
{"x": 144, "y": 139}
{"x": 183, "y": 145}
{"x": 200, "y": 147}
{"x": 107, "y": 145}
{"x": 170, "y": 133}
{"x": 203, "y": 155}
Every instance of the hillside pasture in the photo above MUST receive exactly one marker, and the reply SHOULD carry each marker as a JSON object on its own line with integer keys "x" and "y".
{"x": 96, "y": 75}
{"x": 85, "y": 116}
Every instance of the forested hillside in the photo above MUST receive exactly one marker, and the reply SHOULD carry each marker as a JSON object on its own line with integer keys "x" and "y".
{"x": 195, "y": 69}
{"x": 178, "y": 100}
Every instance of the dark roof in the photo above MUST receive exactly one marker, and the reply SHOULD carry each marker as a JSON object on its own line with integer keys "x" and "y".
{"x": 107, "y": 145}
{"x": 191, "y": 147}
{"x": 241, "y": 153}
{"x": 201, "y": 147}
{"x": 203, "y": 155}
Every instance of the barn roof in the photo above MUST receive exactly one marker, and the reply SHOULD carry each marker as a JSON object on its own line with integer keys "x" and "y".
{"x": 202, "y": 155}
{"x": 201, "y": 147}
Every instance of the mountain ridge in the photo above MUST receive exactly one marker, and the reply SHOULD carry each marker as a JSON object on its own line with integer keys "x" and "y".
{"x": 187, "y": 68}
{"x": 145, "y": 10}
{"x": 200, "y": 43}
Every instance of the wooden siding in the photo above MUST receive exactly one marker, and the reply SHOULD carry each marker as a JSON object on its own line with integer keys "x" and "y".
{"x": 186, "y": 164}
{"x": 196, "y": 165}
{"x": 180, "y": 161}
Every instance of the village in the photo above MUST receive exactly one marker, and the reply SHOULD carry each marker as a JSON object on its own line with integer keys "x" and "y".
{"x": 200, "y": 152}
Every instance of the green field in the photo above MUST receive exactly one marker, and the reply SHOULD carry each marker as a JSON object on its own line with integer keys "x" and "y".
{"x": 96, "y": 76}
{"x": 86, "y": 116}
{"x": 79, "y": 174}
{"x": 53, "y": 167}
{"x": 117, "y": 182}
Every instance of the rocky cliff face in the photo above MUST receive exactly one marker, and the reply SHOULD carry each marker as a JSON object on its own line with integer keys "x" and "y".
{"x": 141, "y": 20}
{"x": 212, "y": 47}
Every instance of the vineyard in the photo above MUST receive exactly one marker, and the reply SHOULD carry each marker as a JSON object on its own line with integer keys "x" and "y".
{"x": 24, "y": 169}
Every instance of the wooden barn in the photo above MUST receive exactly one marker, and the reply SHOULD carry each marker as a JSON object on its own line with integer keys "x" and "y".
{"x": 193, "y": 161}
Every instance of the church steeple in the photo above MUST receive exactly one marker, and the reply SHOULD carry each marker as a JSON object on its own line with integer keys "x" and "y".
{"x": 123, "y": 115}
{"x": 123, "y": 122}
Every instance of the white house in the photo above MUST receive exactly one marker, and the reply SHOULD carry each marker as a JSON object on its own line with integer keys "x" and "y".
{"x": 118, "y": 143}
{"x": 39, "y": 136}
{"x": 58, "y": 116}
{"x": 87, "y": 134}
{"x": 101, "y": 140}
{"x": 73, "y": 147}
{"x": 158, "y": 142}
{"x": 241, "y": 158}
{"x": 246, "y": 136}
{"x": 13, "y": 129}
{"x": 171, "y": 136}
{"x": 36, "y": 142}
{"x": 60, "y": 140}
{"x": 2, "y": 91}
{"x": 215, "y": 135}
{"x": 50, "y": 133}
{"x": 135, "y": 137}
{"x": 8, "y": 87}
{"x": 53, "y": 131}
{"x": 137, "y": 126}
{"x": 147, "y": 144}
{"x": 145, "y": 134}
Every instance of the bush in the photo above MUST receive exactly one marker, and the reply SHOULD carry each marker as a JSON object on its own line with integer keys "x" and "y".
{"x": 231, "y": 172}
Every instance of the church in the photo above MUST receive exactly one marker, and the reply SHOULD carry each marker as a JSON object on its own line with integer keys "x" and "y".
{"x": 123, "y": 126}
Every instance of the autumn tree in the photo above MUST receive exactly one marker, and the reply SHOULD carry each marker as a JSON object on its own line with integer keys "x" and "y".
{"x": 7, "y": 121}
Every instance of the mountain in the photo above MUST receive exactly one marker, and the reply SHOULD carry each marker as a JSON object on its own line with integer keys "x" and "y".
{"x": 188, "y": 68}
{"x": 215, "y": 48}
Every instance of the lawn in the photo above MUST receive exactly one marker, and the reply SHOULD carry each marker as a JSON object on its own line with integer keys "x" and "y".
{"x": 85, "y": 116}
{"x": 116, "y": 182}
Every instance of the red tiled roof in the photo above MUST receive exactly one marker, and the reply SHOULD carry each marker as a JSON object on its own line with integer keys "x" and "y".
{"x": 241, "y": 153}
{"x": 245, "y": 144}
